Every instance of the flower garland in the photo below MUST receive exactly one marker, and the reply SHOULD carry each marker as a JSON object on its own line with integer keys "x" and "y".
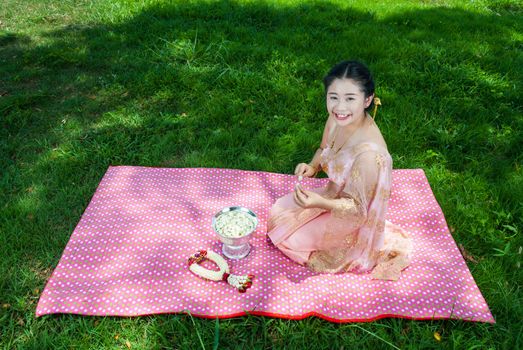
{"x": 242, "y": 283}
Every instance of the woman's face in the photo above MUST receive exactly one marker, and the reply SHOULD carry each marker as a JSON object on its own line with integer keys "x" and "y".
{"x": 346, "y": 102}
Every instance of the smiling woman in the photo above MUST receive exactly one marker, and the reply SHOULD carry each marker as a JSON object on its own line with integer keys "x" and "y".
{"x": 342, "y": 227}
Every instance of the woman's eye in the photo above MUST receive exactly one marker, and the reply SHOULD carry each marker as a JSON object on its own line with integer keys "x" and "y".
{"x": 350, "y": 99}
{"x": 333, "y": 98}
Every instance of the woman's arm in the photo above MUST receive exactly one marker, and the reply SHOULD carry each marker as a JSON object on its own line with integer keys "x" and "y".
{"x": 329, "y": 204}
{"x": 358, "y": 191}
{"x": 311, "y": 199}
{"x": 315, "y": 162}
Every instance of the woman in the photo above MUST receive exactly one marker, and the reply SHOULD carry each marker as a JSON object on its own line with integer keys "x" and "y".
{"x": 342, "y": 226}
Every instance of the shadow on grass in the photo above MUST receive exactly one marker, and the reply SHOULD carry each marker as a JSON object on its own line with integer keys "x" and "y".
{"x": 233, "y": 85}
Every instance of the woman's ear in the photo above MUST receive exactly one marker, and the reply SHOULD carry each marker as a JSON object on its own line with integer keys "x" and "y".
{"x": 368, "y": 100}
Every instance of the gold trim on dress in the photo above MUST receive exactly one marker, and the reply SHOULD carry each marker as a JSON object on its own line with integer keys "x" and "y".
{"x": 384, "y": 194}
{"x": 344, "y": 207}
{"x": 380, "y": 160}
{"x": 351, "y": 239}
{"x": 326, "y": 261}
{"x": 355, "y": 175}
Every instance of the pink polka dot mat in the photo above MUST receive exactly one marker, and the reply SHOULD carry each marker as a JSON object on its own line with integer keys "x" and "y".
{"x": 128, "y": 254}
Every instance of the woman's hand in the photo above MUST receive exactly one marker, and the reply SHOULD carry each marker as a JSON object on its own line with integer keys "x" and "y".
{"x": 304, "y": 170}
{"x": 308, "y": 199}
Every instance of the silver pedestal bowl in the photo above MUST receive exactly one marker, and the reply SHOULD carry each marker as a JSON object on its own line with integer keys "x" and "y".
{"x": 235, "y": 247}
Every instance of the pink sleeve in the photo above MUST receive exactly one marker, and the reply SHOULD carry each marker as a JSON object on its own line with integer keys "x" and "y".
{"x": 369, "y": 183}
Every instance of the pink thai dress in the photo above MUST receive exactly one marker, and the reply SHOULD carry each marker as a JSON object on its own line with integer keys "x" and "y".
{"x": 354, "y": 236}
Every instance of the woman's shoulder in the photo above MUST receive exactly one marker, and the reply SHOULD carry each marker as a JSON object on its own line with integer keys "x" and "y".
{"x": 366, "y": 151}
{"x": 370, "y": 140}
{"x": 369, "y": 145}
{"x": 372, "y": 152}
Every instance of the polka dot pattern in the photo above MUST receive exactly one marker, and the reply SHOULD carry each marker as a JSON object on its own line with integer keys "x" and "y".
{"x": 128, "y": 254}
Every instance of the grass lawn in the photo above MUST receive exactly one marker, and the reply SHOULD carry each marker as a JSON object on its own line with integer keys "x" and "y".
{"x": 85, "y": 84}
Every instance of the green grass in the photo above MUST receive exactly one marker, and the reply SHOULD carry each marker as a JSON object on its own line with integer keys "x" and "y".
{"x": 237, "y": 84}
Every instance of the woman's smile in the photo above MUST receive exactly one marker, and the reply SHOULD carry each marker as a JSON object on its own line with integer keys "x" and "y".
{"x": 340, "y": 116}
